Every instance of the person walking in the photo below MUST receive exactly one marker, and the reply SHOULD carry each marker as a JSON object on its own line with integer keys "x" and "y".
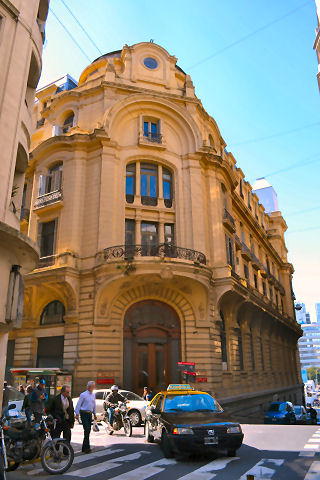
{"x": 145, "y": 393}
{"x": 86, "y": 407}
{"x": 38, "y": 398}
{"x": 27, "y": 404}
{"x": 22, "y": 390}
{"x": 61, "y": 408}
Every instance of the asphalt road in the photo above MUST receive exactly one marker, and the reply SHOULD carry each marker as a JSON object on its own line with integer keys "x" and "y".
{"x": 269, "y": 452}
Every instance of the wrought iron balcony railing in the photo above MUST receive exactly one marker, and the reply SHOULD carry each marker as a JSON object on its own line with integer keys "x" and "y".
{"x": 161, "y": 250}
{"x": 48, "y": 198}
{"x": 229, "y": 217}
{"x": 152, "y": 137}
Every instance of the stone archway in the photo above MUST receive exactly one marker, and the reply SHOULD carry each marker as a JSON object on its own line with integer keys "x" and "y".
{"x": 151, "y": 333}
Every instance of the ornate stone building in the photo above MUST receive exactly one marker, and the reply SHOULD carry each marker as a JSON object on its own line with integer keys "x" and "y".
{"x": 153, "y": 247}
{"x": 21, "y": 37}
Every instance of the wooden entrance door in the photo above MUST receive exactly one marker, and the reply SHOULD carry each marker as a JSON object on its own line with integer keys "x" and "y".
{"x": 151, "y": 346}
{"x": 151, "y": 365}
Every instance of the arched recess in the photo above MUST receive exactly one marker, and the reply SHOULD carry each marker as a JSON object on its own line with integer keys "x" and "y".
{"x": 133, "y": 105}
{"x": 143, "y": 292}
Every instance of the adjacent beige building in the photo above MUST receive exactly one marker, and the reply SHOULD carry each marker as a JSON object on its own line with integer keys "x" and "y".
{"x": 153, "y": 248}
{"x": 21, "y": 38}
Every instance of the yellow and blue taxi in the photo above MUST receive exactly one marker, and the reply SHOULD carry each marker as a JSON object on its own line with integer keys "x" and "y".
{"x": 188, "y": 421}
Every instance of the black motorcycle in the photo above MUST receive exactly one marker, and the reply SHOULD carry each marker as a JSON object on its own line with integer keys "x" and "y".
{"x": 29, "y": 443}
{"x": 121, "y": 419}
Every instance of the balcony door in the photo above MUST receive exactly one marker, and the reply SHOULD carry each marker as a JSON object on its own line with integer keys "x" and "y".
{"x": 151, "y": 346}
{"x": 149, "y": 238}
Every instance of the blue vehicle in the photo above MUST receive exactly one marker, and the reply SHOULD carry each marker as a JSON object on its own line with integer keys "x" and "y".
{"x": 280, "y": 413}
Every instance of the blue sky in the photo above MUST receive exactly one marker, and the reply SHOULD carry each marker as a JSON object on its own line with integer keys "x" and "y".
{"x": 263, "y": 86}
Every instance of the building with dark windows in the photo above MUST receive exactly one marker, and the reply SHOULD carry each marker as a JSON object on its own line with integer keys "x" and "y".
{"x": 154, "y": 249}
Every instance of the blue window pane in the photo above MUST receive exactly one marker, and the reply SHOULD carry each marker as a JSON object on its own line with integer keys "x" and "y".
{"x": 146, "y": 128}
{"x": 144, "y": 185}
{"x": 166, "y": 190}
{"x": 130, "y": 185}
{"x": 154, "y": 128}
{"x": 153, "y": 186}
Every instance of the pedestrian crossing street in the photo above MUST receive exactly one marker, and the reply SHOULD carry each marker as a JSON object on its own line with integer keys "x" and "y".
{"x": 144, "y": 461}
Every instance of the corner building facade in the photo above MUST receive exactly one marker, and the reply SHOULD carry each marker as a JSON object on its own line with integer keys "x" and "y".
{"x": 153, "y": 248}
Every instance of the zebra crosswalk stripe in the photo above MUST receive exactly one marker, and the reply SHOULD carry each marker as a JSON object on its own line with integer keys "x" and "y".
{"x": 108, "y": 465}
{"x": 206, "y": 472}
{"x": 261, "y": 470}
{"x": 146, "y": 471}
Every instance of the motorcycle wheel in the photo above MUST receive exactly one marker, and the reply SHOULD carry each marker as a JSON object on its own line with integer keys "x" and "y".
{"x": 127, "y": 427}
{"x": 57, "y": 457}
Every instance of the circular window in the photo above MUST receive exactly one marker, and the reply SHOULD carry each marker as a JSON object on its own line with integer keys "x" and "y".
{"x": 150, "y": 62}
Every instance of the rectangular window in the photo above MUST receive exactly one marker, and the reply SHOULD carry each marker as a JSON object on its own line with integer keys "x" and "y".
{"x": 50, "y": 352}
{"x": 264, "y": 288}
{"x": 271, "y": 294}
{"x": 246, "y": 272}
{"x": 149, "y": 183}
{"x": 240, "y": 187}
{"x": 151, "y": 130}
{"x": 149, "y": 238}
{"x": 249, "y": 200}
{"x": 47, "y": 238}
{"x": 169, "y": 233}
{"x": 129, "y": 232}
{"x": 23, "y": 203}
{"x": 230, "y": 251}
{"x": 167, "y": 187}
{"x": 255, "y": 281}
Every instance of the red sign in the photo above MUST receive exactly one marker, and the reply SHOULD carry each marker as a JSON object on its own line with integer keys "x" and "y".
{"x": 186, "y": 363}
{"x": 201, "y": 379}
{"x": 189, "y": 373}
{"x": 103, "y": 381}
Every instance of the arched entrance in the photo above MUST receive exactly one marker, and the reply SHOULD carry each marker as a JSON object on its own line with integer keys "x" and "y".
{"x": 151, "y": 346}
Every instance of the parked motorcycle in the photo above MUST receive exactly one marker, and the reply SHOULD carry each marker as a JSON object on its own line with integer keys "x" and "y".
{"x": 121, "y": 419}
{"x": 29, "y": 443}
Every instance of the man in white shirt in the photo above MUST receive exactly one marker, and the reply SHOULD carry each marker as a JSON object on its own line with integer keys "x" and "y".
{"x": 86, "y": 407}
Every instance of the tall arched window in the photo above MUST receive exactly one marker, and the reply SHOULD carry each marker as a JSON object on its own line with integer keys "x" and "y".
{"x": 68, "y": 123}
{"x": 223, "y": 339}
{"x": 53, "y": 313}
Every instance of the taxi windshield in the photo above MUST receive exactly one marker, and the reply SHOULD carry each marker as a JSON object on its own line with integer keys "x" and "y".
{"x": 191, "y": 403}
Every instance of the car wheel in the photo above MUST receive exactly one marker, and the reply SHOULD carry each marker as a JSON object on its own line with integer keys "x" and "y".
{"x": 165, "y": 445}
{"x": 135, "y": 418}
{"x": 232, "y": 453}
{"x": 147, "y": 433}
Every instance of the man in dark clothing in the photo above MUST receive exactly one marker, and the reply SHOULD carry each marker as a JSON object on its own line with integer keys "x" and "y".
{"x": 27, "y": 405}
{"x": 5, "y": 397}
{"x": 111, "y": 402}
{"x": 38, "y": 398}
{"x": 61, "y": 408}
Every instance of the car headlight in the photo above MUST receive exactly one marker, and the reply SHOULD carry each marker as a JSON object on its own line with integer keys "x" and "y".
{"x": 182, "y": 431}
{"x": 235, "y": 429}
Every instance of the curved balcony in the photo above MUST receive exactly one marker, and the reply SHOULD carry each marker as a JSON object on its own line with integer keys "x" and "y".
{"x": 163, "y": 250}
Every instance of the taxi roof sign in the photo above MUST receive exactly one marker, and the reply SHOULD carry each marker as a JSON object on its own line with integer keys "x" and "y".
{"x": 179, "y": 386}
